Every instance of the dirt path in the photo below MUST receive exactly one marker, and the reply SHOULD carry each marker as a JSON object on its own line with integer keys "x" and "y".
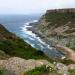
{"x": 70, "y": 54}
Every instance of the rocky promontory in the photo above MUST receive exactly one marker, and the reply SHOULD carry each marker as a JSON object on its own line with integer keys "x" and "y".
{"x": 57, "y": 26}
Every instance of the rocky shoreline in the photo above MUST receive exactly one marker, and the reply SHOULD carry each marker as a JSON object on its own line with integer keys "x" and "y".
{"x": 39, "y": 34}
{"x": 58, "y": 47}
{"x": 51, "y": 44}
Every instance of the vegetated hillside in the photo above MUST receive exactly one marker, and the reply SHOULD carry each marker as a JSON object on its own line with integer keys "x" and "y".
{"x": 54, "y": 19}
{"x": 58, "y": 26}
{"x": 12, "y": 45}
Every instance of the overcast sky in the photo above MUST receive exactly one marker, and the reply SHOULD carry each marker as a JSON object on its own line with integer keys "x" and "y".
{"x": 32, "y": 6}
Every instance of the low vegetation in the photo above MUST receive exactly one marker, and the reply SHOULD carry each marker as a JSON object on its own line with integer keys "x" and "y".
{"x": 58, "y": 27}
{"x": 72, "y": 72}
{"x": 59, "y": 19}
{"x": 38, "y": 71}
{"x": 15, "y": 46}
{"x": 5, "y": 72}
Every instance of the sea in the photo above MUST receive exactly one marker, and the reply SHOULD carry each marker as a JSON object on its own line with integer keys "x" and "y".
{"x": 18, "y": 24}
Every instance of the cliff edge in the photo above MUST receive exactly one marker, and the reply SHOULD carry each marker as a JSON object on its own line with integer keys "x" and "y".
{"x": 58, "y": 26}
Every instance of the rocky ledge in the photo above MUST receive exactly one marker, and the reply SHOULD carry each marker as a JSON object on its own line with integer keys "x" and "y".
{"x": 18, "y": 66}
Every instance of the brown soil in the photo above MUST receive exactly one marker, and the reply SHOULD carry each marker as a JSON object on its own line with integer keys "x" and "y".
{"x": 70, "y": 54}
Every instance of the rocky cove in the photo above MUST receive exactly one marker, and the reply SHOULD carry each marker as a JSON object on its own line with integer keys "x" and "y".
{"x": 55, "y": 32}
{"x": 46, "y": 46}
{"x": 64, "y": 52}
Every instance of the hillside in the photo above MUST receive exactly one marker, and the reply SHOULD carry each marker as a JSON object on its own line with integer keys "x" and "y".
{"x": 16, "y": 56}
{"x": 12, "y": 45}
{"x": 58, "y": 26}
{"x": 19, "y": 58}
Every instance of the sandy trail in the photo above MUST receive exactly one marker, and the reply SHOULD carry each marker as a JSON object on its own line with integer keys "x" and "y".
{"x": 70, "y": 54}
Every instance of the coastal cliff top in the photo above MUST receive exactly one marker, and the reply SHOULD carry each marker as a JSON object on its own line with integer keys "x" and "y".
{"x": 59, "y": 21}
{"x": 61, "y": 10}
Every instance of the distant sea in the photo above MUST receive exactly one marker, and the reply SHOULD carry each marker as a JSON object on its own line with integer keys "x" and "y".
{"x": 18, "y": 24}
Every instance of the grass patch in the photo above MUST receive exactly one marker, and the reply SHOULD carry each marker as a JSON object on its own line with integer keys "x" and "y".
{"x": 72, "y": 72}
{"x": 67, "y": 62}
{"x": 19, "y": 48}
{"x": 57, "y": 19}
{"x": 70, "y": 31}
{"x": 38, "y": 71}
{"x": 5, "y": 72}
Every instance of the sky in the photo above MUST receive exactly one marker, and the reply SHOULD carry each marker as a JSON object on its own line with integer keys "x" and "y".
{"x": 33, "y": 6}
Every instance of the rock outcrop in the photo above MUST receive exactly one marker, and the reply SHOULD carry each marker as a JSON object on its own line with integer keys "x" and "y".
{"x": 59, "y": 21}
{"x": 18, "y": 66}
{"x": 58, "y": 26}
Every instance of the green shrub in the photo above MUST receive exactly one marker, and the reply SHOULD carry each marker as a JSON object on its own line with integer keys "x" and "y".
{"x": 58, "y": 19}
{"x": 67, "y": 62}
{"x": 72, "y": 72}
{"x": 4, "y": 72}
{"x": 38, "y": 71}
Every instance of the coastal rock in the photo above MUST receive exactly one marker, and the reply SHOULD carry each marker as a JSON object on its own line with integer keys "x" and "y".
{"x": 71, "y": 67}
{"x": 62, "y": 69}
{"x": 18, "y": 66}
{"x": 52, "y": 24}
{"x": 58, "y": 27}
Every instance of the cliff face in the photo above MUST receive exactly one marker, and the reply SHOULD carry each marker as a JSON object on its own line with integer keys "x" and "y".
{"x": 17, "y": 57}
{"x": 60, "y": 21}
{"x": 58, "y": 24}
{"x": 71, "y": 10}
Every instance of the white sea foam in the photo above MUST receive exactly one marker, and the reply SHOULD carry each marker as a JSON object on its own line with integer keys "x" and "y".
{"x": 24, "y": 29}
{"x": 38, "y": 38}
{"x": 45, "y": 43}
{"x": 34, "y": 21}
{"x": 33, "y": 36}
{"x": 63, "y": 57}
{"x": 26, "y": 25}
{"x": 49, "y": 47}
{"x": 30, "y": 22}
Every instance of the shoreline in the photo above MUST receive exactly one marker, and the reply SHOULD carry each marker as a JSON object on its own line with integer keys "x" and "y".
{"x": 68, "y": 53}
{"x": 35, "y": 31}
{"x": 48, "y": 43}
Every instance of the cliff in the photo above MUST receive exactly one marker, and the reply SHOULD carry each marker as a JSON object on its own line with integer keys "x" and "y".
{"x": 71, "y": 10}
{"x": 60, "y": 21}
{"x": 58, "y": 26}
